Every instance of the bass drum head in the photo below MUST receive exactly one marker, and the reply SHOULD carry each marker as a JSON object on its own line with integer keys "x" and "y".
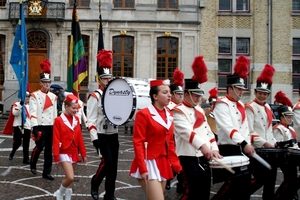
{"x": 120, "y": 99}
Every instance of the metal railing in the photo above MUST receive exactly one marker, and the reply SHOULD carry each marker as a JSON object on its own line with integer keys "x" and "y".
{"x": 51, "y": 11}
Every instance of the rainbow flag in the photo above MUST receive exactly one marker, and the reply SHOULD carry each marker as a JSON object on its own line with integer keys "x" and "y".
{"x": 78, "y": 69}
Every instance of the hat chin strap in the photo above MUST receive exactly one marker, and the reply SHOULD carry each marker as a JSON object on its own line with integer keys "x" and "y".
{"x": 190, "y": 94}
{"x": 233, "y": 87}
{"x": 287, "y": 120}
{"x": 104, "y": 84}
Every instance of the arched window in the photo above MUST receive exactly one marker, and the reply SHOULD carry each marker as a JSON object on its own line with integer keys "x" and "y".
{"x": 167, "y": 57}
{"x": 123, "y": 56}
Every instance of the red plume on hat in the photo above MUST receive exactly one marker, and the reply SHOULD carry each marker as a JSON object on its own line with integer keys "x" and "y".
{"x": 266, "y": 74}
{"x": 104, "y": 58}
{"x": 280, "y": 97}
{"x": 178, "y": 77}
{"x": 241, "y": 67}
{"x": 213, "y": 93}
{"x": 200, "y": 70}
{"x": 46, "y": 66}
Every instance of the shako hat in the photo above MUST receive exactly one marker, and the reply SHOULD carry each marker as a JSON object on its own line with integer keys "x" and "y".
{"x": 46, "y": 68}
{"x": 286, "y": 104}
{"x": 200, "y": 76}
{"x": 264, "y": 81}
{"x": 178, "y": 83}
{"x": 241, "y": 69}
{"x": 104, "y": 58}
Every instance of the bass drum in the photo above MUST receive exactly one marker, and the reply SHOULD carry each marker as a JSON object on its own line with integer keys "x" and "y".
{"x": 123, "y": 97}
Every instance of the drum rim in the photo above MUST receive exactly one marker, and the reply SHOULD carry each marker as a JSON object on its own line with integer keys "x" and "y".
{"x": 240, "y": 159}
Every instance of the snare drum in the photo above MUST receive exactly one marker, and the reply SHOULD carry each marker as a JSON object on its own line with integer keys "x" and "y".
{"x": 240, "y": 164}
{"x": 294, "y": 156}
{"x": 274, "y": 156}
{"x": 123, "y": 97}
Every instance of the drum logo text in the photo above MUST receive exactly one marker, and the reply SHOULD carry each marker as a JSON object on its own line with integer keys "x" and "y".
{"x": 119, "y": 92}
{"x": 117, "y": 118}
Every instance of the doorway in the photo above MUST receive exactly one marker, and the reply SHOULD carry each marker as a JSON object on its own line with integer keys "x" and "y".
{"x": 37, "y": 51}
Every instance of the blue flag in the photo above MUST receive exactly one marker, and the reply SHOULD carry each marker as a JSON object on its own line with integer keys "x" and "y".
{"x": 19, "y": 58}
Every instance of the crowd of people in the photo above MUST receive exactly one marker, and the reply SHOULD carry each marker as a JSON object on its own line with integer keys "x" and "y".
{"x": 178, "y": 134}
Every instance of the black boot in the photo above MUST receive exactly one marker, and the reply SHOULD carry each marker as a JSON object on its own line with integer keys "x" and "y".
{"x": 11, "y": 155}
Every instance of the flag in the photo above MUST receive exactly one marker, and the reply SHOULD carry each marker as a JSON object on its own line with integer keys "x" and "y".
{"x": 77, "y": 70}
{"x": 100, "y": 40}
{"x": 19, "y": 58}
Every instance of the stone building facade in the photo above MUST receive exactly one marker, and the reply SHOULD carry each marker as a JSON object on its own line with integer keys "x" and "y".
{"x": 150, "y": 38}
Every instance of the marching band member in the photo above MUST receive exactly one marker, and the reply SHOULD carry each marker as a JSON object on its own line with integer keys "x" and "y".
{"x": 153, "y": 143}
{"x": 233, "y": 131}
{"x": 67, "y": 141}
{"x": 14, "y": 124}
{"x": 103, "y": 135}
{"x": 43, "y": 110}
{"x": 176, "y": 98}
{"x": 286, "y": 137}
{"x": 259, "y": 116}
{"x": 195, "y": 143}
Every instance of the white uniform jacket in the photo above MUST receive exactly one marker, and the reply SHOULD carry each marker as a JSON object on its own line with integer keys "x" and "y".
{"x": 232, "y": 124}
{"x": 192, "y": 131}
{"x": 96, "y": 121}
{"x": 296, "y": 118}
{"x": 42, "y": 108}
{"x": 260, "y": 124}
{"x": 283, "y": 133}
{"x": 17, "y": 112}
{"x": 171, "y": 105}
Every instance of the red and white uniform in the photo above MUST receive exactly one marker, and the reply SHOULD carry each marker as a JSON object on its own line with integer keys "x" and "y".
{"x": 151, "y": 128}
{"x": 284, "y": 133}
{"x": 296, "y": 118}
{"x": 192, "y": 130}
{"x": 260, "y": 118}
{"x": 171, "y": 105}
{"x": 95, "y": 117}
{"x": 42, "y": 108}
{"x": 232, "y": 124}
{"x": 67, "y": 138}
{"x": 17, "y": 112}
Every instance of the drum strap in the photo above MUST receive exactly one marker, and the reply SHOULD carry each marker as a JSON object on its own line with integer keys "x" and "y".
{"x": 98, "y": 93}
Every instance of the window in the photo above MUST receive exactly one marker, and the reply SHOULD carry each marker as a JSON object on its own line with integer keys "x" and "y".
{"x": 224, "y": 69}
{"x": 123, "y": 56}
{"x": 228, "y": 55}
{"x": 242, "y": 46}
{"x": 234, "y": 5}
{"x": 224, "y": 5}
{"x": 296, "y": 46}
{"x": 224, "y": 45}
{"x": 80, "y": 3}
{"x": 167, "y": 57}
{"x": 124, "y": 3}
{"x": 296, "y": 64}
{"x": 173, "y": 4}
{"x": 296, "y": 5}
{"x": 2, "y": 58}
{"x": 2, "y": 3}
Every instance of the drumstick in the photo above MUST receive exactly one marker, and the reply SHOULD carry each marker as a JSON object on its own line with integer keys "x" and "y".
{"x": 224, "y": 165}
{"x": 262, "y": 161}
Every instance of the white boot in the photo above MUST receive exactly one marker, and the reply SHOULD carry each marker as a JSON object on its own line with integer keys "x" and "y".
{"x": 59, "y": 194}
{"x": 68, "y": 194}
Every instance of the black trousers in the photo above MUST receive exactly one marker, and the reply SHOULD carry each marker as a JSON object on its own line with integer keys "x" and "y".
{"x": 235, "y": 187}
{"x": 109, "y": 148}
{"x": 263, "y": 177}
{"x": 198, "y": 178}
{"x": 17, "y": 141}
{"x": 290, "y": 184}
{"x": 44, "y": 143}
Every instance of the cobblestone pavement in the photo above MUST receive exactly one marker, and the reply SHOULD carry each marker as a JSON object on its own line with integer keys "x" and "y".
{"x": 17, "y": 182}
